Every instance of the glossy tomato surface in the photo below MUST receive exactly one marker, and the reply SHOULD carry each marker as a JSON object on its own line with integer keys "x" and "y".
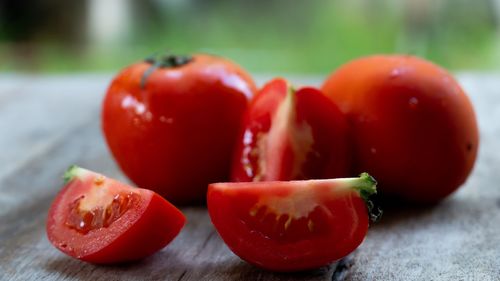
{"x": 291, "y": 225}
{"x": 172, "y": 123}
{"x": 413, "y": 127}
{"x": 100, "y": 220}
{"x": 291, "y": 134}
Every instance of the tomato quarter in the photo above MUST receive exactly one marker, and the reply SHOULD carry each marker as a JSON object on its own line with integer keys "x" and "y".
{"x": 172, "y": 122}
{"x": 100, "y": 220}
{"x": 291, "y": 134}
{"x": 292, "y": 225}
{"x": 413, "y": 127}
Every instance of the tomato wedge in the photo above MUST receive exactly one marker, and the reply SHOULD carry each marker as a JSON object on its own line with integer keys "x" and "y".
{"x": 292, "y": 225}
{"x": 291, "y": 134}
{"x": 101, "y": 220}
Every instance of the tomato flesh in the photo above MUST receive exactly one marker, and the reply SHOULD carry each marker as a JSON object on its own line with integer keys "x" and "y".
{"x": 101, "y": 220}
{"x": 84, "y": 221}
{"x": 291, "y": 135}
{"x": 290, "y": 226}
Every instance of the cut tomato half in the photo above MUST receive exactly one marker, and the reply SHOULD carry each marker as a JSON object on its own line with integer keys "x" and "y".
{"x": 292, "y": 225}
{"x": 101, "y": 220}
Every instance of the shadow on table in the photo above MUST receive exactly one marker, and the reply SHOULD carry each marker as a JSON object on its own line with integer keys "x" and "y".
{"x": 236, "y": 269}
{"x": 163, "y": 265}
{"x": 396, "y": 212}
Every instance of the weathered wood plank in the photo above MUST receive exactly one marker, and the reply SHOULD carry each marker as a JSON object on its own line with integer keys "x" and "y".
{"x": 35, "y": 112}
{"x": 455, "y": 240}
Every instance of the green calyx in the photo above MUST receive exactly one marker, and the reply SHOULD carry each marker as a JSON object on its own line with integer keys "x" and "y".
{"x": 167, "y": 60}
{"x": 70, "y": 173}
{"x": 366, "y": 185}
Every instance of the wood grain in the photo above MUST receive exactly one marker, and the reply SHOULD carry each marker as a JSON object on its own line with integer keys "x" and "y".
{"x": 48, "y": 123}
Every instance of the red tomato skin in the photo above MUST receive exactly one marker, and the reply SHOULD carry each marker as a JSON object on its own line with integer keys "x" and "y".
{"x": 177, "y": 134}
{"x": 413, "y": 127}
{"x": 329, "y": 156}
{"x": 147, "y": 227}
{"x": 340, "y": 235}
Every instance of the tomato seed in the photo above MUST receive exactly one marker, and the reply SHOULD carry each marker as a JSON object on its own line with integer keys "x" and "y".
{"x": 84, "y": 221}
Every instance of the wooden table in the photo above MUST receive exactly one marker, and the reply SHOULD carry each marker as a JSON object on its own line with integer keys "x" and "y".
{"x": 50, "y": 122}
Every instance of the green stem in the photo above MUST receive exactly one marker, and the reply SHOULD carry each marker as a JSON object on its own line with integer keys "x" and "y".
{"x": 366, "y": 185}
{"x": 164, "y": 61}
{"x": 70, "y": 173}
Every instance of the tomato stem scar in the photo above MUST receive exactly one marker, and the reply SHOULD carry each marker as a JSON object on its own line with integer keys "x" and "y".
{"x": 367, "y": 188}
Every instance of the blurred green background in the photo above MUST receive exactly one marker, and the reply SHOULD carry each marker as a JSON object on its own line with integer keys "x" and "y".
{"x": 279, "y": 36}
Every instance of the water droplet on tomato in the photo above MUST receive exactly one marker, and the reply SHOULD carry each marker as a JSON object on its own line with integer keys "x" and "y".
{"x": 166, "y": 120}
{"x": 140, "y": 108}
{"x": 395, "y": 73}
{"x": 128, "y": 101}
{"x": 413, "y": 103}
{"x": 247, "y": 137}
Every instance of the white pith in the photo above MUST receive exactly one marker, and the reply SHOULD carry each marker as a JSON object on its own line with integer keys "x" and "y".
{"x": 305, "y": 196}
{"x": 98, "y": 195}
{"x": 284, "y": 132}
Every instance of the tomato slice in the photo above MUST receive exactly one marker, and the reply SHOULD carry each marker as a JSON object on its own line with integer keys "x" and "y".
{"x": 292, "y": 225}
{"x": 101, "y": 220}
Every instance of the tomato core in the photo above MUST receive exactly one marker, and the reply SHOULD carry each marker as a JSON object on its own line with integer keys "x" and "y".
{"x": 84, "y": 220}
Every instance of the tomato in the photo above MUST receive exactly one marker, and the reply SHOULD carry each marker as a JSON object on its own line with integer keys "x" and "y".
{"x": 291, "y": 134}
{"x": 414, "y": 128}
{"x": 100, "y": 220}
{"x": 292, "y": 225}
{"x": 172, "y": 122}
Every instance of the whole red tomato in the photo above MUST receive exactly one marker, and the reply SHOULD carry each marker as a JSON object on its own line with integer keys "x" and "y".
{"x": 172, "y": 122}
{"x": 291, "y": 134}
{"x": 414, "y": 128}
